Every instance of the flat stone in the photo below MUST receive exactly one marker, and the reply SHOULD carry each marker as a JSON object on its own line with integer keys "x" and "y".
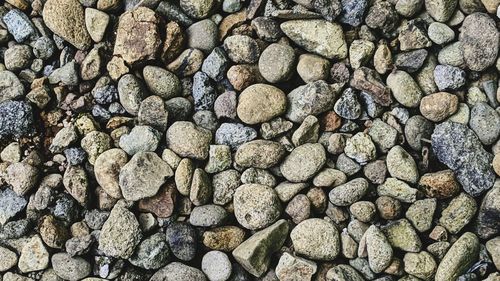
{"x": 162, "y": 82}
{"x": 19, "y": 25}
{"x": 402, "y": 235}
{"x": 96, "y": 22}
{"x": 316, "y": 239}
{"x": 398, "y": 189}
{"x": 348, "y": 193}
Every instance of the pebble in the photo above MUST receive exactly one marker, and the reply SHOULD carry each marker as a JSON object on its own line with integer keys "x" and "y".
{"x": 216, "y": 265}
{"x": 310, "y": 99}
{"x": 303, "y": 162}
{"x": 379, "y": 250}
{"x": 368, "y": 80}
{"x": 182, "y": 239}
{"x": 70, "y": 268}
{"x": 383, "y": 16}
{"x": 397, "y": 189}
{"x": 294, "y": 268}
{"x": 19, "y": 25}
{"x": 188, "y": 140}
{"x": 458, "y": 258}
{"x": 17, "y": 57}
{"x": 318, "y": 36}
{"x": 440, "y": 10}
{"x": 420, "y": 214}
{"x": 234, "y": 134}
{"x": 138, "y": 25}
{"x": 486, "y": 227}
{"x": 479, "y": 38}
{"x": 207, "y": 216}
{"x": 458, "y": 213}
{"x": 343, "y": 272}
{"x": 312, "y": 67}
{"x": 131, "y": 93}
{"x": 411, "y": 61}
{"x": 439, "y": 106}
{"x": 11, "y": 87}
{"x": 316, "y": 239}
{"x": 16, "y": 119}
{"x": 493, "y": 248}
{"x": 256, "y": 206}
{"x": 66, "y": 18}
{"x": 449, "y": 77}
{"x": 225, "y": 238}
{"x": 140, "y": 139}
{"x": 96, "y": 22}
{"x": 440, "y": 33}
{"x": 348, "y": 193}
{"x": 471, "y": 163}
{"x": 34, "y": 256}
{"x": 242, "y": 49}
{"x": 202, "y": 35}
{"x": 352, "y": 12}
{"x": 9, "y": 259}
{"x": 178, "y": 271}
{"x": 22, "y": 177}
{"x": 360, "y": 147}
{"x": 277, "y": 62}
{"x": 215, "y": 64}
{"x": 267, "y": 28}
{"x": 363, "y": 211}
{"x": 405, "y": 90}
{"x": 483, "y": 122}
{"x": 254, "y": 254}
{"x": 151, "y": 253}
{"x": 402, "y": 235}
{"x": 375, "y": 171}
{"x": 360, "y": 52}
{"x": 401, "y": 165}
{"x": 162, "y": 82}
{"x": 260, "y": 103}
{"x": 421, "y": 265}
{"x": 197, "y": 9}
{"x": 261, "y": 154}
{"x": 388, "y": 207}
{"x": 348, "y": 106}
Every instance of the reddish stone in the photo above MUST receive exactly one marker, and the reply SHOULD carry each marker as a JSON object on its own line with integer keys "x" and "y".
{"x": 163, "y": 203}
{"x": 330, "y": 121}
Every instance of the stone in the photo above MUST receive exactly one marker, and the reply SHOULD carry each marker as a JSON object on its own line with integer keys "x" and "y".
{"x": 243, "y": 75}
{"x": 348, "y": 106}
{"x": 197, "y": 9}
{"x": 307, "y": 132}
{"x": 260, "y": 103}
{"x": 8, "y": 259}
{"x": 140, "y": 139}
{"x": 10, "y": 86}
{"x": 17, "y": 57}
{"x": 411, "y": 61}
{"x": 16, "y": 119}
{"x": 343, "y": 272}
{"x": 479, "y": 38}
{"x": 153, "y": 112}
{"x": 234, "y": 134}
{"x": 405, "y": 90}
{"x": 416, "y": 129}
{"x": 449, "y": 77}
{"x": 225, "y": 238}
{"x": 383, "y": 16}
{"x": 201, "y": 188}
{"x": 493, "y": 248}
{"x": 219, "y": 159}
{"x": 178, "y": 271}
{"x": 182, "y": 239}
{"x": 402, "y": 235}
{"x": 94, "y": 143}
{"x": 363, "y": 211}
{"x": 294, "y": 268}
{"x": 439, "y": 185}
{"x": 11, "y": 205}
{"x": 241, "y": 49}
{"x": 188, "y": 140}
{"x": 441, "y": 10}
{"x": 312, "y": 67}
{"x": 131, "y": 93}
{"x": 303, "y": 162}
{"x": 388, "y": 207}
{"x": 34, "y": 256}
{"x": 483, "y": 122}
{"x": 260, "y": 154}
{"x": 225, "y": 105}
{"x": 360, "y": 52}
{"x": 152, "y": 252}
{"x": 66, "y": 75}
{"x": 310, "y": 99}
{"x": 120, "y": 234}
{"x": 439, "y": 106}
{"x": 440, "y": 33}
{"x": 162, "y": 204}
{"x": 378, "y": 249}
{"x": 276, "y": 63}
{"x": 471, "y": 163}
{"x": 162, "y": 82}
{"x": 420, "y": 214}
{"x": 53, "y": 232}
{"x": 401, "y": 165}
{"x": 137, "y": 36}
{"x": 267, "y": 29}
{"x": 318, "y": 36}
{"x": 461, "y": 255}
{"x": 348, "y": 193}
{"x": 70, "y": 268}
{"x": 486, "y": 226}
{"x": 216, "y": 265}
{"x": 203, "y": 35}
{"x": 254, "y": 254}
{"x": 204, "y": 94}
{"x": 207, "y": 216}
{"x": 458, "y": 213}
{"x": 360, "y": 148}
{"x": 96, "y": 22}
{"x": 224, "y": 185}
{"x": 216, "y": 64}
{"x": 398, "y": 189}
{"x": 421, "y": 265}
{"x": 22, "y": 177}
{"x": 383, "y": 135}
{"x": 368, "y": 80}
{"x": 19, "y": 25}
{"x": 256, "y": 206}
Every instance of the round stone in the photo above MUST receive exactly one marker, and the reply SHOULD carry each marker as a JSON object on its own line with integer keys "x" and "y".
{"x": 260, "y": 103}
{"x": 316, "y": 239}
{"x": 188, "y": 140}
{"x": 256, "y": 206}
{"x": 216, "y": 265}
{"x": 303, "y": 162}
{"x": 276, "y": 62}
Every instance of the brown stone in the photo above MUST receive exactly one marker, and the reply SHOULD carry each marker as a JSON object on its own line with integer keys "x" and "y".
{"x": 243, "y": 75}
{"x": 368, "y": 80}
{"x": 138, "y": 35}
{"x": 439, "y": 106}
{"x": 439, "y": 185}
{"x": 388, "y": 208}
{"x": 53, "y": 232}
{"x": 116, "y": 68}
{"x": 163, "y": 203}
{"x": 230, "y": 22}
{"x": 225, "y": 238}
{"x": 20, "y": 4}
{"x": 330, "y": 121}
{"x": 174, "y": 41}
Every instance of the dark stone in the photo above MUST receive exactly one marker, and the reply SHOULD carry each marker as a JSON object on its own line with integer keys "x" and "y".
{"x": 105, "y": 94}
{"x": 75, "y": 155}
{"x": 352, "y": 11}
{"x": 204, "y": 93}
{"x": 329, "y": 9}
{"x": 16, "y": 119}
{"x": 411, "y": 61}
{"x": 488, "y": 222}
{"x": 182, "y": 240}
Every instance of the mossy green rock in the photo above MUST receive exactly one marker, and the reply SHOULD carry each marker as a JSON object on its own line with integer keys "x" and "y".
{"x": 462, "y": 254}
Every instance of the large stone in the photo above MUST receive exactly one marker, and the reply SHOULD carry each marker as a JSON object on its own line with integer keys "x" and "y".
{"x": 318, "y": 36}
{"x": 66, "y": 18}
{"x": 143, "y": 176}
{"x": 462, "y": 254}
{"x": 378, "y": 249}
{"x": 260, "y": 103}
{"x": 316, "y": 239}
{"x": 256, "y": 206}
{"x": 456, "y": 146}
{"x": 303, "y": 162}
{"x": 188, "y": 140}
{"x": 254, "y": 254}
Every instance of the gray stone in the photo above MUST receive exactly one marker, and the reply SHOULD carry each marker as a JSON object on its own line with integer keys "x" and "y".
{"x": 303, "y": 162}
{"x": 458, "y": 213}
{"x": 352, "y": 12}
{"x": 421, "y": 265}
{"x": 310, "y": 99}
{"x": 234, "y": 134}
{"x": 10, "y": 205}
{"x": 378, "y": 248}
{"x": 140, "y": 139}
{"x": 401, "y": 165}
{"x": 16, "y": 119}
{"x": 484, "y": 122}
{"x": 441, "y": 10}
{"x": 397, "y": 189}
{"x": 256, "y": 206}
{"x": 348, "y": 193}
{"x": 67, "y": 75}
{"x": 153, "y": 112}
{"x": 449, "y": 77}
{"x": 348, "y": 106}
{"x": 188, "y": 140}
{"x": 70, "y": 268}
{"x": 294, "y": 268}
{"x": 421, "y": 212}
{"x": 19, "y": 25}
{"x": 241, "y": 49}
{"x": 207, "y": 216}
{"x": 216, "y": 265}
{"x": 440, "y": 33}
{"x": 9, "y": 259}
{"x": 34, "y": 256}
{"x": 360, "y": 148}
{"x": 405, "y": 90}
{"x": 276, "y": 63}
{"x": 260, "y": 154}
{"x": 131, "y": 93}
{"x": 10, "y": 86}
{"x": 179, "y": 272}
{"x": 162, "y": 82}
{"x": 411, "y": 61}
{"x": 202, "y": 35}
{"x": 462, "y": 254}
{"x": 316, "y": 239}
{"x": 182, "y": 240}
{"x": 152, "y": 252}
{"x": 204, "y": 93}
{"x": 216, "y": 64}
{"x": 224, "y": 185}
{"x": 402, "y": 235}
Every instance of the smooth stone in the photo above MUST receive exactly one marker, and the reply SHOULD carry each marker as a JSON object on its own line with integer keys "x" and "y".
{"x": 303, "y": 162}
{"x": 260, "y": 103}
{"x": 316, "y": 239}
{"x": 256, "y": 206}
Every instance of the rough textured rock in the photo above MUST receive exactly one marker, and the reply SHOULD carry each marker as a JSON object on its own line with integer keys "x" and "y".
{"x": 459, "y": 257}
{"x": 256, "y": 206}
{"x": 316, "y": 239}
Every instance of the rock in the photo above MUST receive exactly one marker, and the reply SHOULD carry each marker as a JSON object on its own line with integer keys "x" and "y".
{"x": 483, "y": 122}
{"x": 120, "y": 234}
{"x": 151, "y": 253}
{"x": 417, "y": 127}
{"x": 69, "y": 268}
{"x": 363, "y": 211}
{"x": 493, "y": 248}
{"x": 78, "y": 245}
{"x": 318, "y": 36}
{"x": 343, "y": 272}
{"x": 401, "y": 165}
{"x": 207, "y": 216}
{"x": 19, "y": 25}
{"x": 242, "y": 49}
{"x": 348, "y": 106}
{"x": 182, "y": 239}
{"x": 440, "y": 33}
{"x": 260, "y": 154}
{"x": 378, "y": 248}
{"x": 260, "y": 103}
{"x": 219, "y": 160}
{"x": 162, "y": 82}
{"x": 9, "y": 259}
{"x": 10, "y": 86}
{"x": 383, "y": 135}
{"x": 34, "y": 256}
{"x": 360, "y": 148}
{"x": 203, "y": 35}
{"x": 131, "y": 93}
{"x": 479, "y": 38}
{"x": 153, "y": 112}
{"x": 303, "y": 162}
{"x": 53, "y": 232}
{"x": 234, "y": 134}
{"x": 243, "y": 75}
{"x": 188, "y": 140}
{"x": 299, "y": 208}
{"x": 397, "y": 189}
{"x": 459, "y": 213}
{"x": 216, "y": 64}
{"x": 204, "y": 94}
{"x": 439, "y": 185}
{"x": 441, "y": 10}
{"x": 421, "y": 213}
{"x": 94, "y": 143}
{"x": 348, "y": 193}
{"x": 471, "y": 163}
{"x": 17, "y": 57}
{"x": 402, "y": 235}
{"x": 224, "y": 185}
{"x": 486, "y": 226}
{"x": 310, "y": 99}
{"x": 225, "y": 105}
{"x": 347, "y": 165}
{"x": 225, "y": 238}
{"x": 256, "y": 206}
{"x": 91, "y": 65}
{"x": 383, "y": 16}
{"x": 405, "y": 90}
{"x": 293, "y": 268}
{"x": 421, "y": 265}
{"x": 22, "y": 177}
{"x": 439, "y": 106}
{"x": 461, "y": 255}
{"x": 66, "y": 75}
{"x": 96, "y": 22}
{"x": 140, "y": 139}
{"x": 163, "y": 203}
{"x": 216, "y": 265}
{"x": 449, "y": 77}
{"x": 275, "y": 127}
{"x": 178, "y": 271}
{"x": 16, "y": 119}
{"x": 197, "y": 9}
{"x": 267, "y": 29}
{"x": 276, "y": 63}
{"x": 307, "y": 132}
{"x": 312, "y": 67}
{"x": 137, "y": 36}
{"x": 360, "y": 52}
{"x": 411, "y": 61}
{"x": 375, "y": 171}
{"x": 66, "y": 18}
{"x": 368, "y": 80}
{"x": 254, "y": 254}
